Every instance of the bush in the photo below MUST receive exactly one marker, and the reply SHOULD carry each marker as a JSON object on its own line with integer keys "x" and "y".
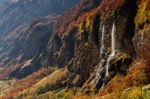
{"x": 143, "y": 14}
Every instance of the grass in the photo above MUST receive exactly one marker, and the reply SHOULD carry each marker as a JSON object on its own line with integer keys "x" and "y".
{"x": 54, "y": 81}
{"x": 21, "y": 86}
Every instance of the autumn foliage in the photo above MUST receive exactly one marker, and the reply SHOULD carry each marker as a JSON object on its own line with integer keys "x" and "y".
{"x": 22, "y": 85}
{"x": 108, "y": 5}
{"x": 143, "y": 14}
{"x": 137, "y": 76}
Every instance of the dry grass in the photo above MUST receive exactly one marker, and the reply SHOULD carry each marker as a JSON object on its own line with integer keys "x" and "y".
{"x": 55, "y": 80}
{"x": 24, "y": 84}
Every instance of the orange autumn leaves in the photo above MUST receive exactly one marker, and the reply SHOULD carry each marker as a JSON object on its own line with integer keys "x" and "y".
{"x": 137, "y": 76}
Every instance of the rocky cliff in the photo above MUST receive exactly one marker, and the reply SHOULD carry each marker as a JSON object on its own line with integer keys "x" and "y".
{"x": 85, "y": 33}
{"x": 101, "y": 41}
{"x": 98, "y": 47}
{"x": 25, "y": 35}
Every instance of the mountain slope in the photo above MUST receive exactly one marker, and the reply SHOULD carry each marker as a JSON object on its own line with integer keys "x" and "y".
{"x": 83, "y": 33}
{"x": 101, "y": 50}
{"x": 22, "y": 48}
{"x": 24, "y": 43}
{"x": 24, "y": 11}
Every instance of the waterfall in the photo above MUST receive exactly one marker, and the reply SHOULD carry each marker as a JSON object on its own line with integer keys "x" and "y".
{"x": 111, "y": 56}
{"x": 102, "y": 59}
{"x": 101, "y": 54}
{"x": 102, "y": 41}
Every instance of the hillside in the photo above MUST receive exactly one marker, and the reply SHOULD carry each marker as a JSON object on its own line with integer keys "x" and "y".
{"x": 26, "y": 27}
{"x": 97, "y": 50}
{"x": 23, "y": 47}
{"x": 24, "y": 11}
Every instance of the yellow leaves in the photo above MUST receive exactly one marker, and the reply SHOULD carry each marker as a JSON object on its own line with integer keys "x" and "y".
{"x": 88, "y": 25}
{"x": 85, "y": 26}
{"x": 143, "y": 14}
{"x": 135, "y": 77}
{"x": 81, "y": 30}
{"x": 135, "y": 93}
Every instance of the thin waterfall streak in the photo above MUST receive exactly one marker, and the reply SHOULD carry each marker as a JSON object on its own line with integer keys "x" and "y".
{"x": 113, "y": 38}
{"x": 111, "y": 56}
{"x": 102, "y": 41}
{"x": 101, "y": 52}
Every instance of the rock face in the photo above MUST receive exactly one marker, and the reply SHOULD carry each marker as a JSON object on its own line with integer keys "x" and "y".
{"x": 83, "y": 31}
{"x": 141, "y": 40}
{"x": 25, "y": 34}
{"x": 85, "y": 34}
{"x": 62, "y": 44}
{"x": 77, "y": 41}
{"x": 26, "y": 44}
{"x": 142, "y": 31}
{"x": 96, "y": 40}
{"x": 23, "y": 11}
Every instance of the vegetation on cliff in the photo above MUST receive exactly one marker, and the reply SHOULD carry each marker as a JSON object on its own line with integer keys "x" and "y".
{"x": 80, "y": 43}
